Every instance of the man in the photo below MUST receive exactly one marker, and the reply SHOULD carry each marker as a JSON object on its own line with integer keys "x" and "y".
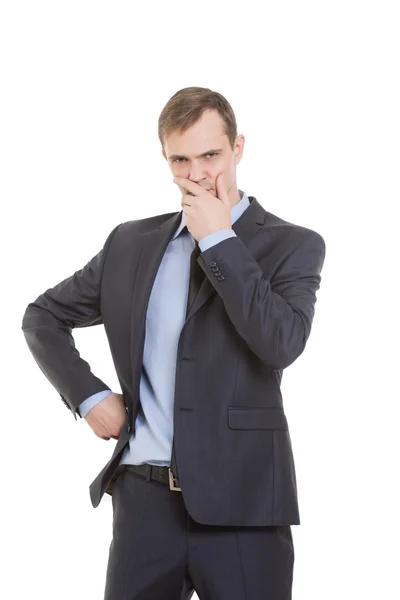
{"x": 203, "y": 309}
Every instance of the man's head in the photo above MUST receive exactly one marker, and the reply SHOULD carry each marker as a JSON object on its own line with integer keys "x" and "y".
{"x": 196, "y": 121}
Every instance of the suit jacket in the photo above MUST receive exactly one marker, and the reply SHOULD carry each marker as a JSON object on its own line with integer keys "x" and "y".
{"x": 250, "y": 320}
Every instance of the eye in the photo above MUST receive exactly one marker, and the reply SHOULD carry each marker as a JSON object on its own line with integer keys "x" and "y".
{"x": 209, "y": 154}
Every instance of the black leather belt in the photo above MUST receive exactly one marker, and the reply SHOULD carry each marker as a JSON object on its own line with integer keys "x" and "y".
{"x": 149, "y": 473}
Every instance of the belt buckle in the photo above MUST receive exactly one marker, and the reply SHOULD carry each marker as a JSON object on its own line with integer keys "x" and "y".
{"x": 172, "y": 480}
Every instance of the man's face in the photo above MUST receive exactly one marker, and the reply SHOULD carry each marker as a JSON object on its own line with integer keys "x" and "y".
{"x": 186, "y": 155}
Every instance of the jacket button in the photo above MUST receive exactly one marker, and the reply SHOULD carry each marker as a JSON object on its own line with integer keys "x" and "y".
{"x": 213, "y": 263}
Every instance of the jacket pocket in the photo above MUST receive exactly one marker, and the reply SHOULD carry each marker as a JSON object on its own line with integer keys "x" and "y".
{"x": 243, "y": 417}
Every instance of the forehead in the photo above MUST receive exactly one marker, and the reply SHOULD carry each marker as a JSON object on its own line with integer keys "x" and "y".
{"x": 206, "y": 133}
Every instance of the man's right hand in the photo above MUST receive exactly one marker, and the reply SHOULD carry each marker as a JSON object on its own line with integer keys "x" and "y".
{"x": 107, "y": 417}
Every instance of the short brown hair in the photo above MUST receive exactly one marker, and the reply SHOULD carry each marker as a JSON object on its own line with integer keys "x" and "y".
{"x": 186, "y": 107}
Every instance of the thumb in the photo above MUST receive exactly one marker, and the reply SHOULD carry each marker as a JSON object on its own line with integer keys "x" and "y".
{"x": 222, "y": 192}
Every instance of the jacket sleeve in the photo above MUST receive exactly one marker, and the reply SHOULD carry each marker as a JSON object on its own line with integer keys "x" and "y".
{"x": 273, "y": 317}
{"x": 47, "y": 326}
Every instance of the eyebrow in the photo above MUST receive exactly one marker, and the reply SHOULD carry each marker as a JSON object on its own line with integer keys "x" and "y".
{"x": 174, "y": 156}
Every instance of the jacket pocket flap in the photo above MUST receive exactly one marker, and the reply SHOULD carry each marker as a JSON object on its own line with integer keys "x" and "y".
{"x": 243, "y": 417}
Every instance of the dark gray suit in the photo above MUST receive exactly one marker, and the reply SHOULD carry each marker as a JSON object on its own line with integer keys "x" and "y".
{"x": 252, "y": 317}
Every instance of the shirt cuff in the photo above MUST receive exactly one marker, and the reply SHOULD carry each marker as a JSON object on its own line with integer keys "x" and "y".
{"x": 215, "y": 237}
{"x": 90, "y": 402}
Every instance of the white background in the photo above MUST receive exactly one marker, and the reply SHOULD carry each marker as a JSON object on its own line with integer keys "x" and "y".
{"x": 315, "y": 90}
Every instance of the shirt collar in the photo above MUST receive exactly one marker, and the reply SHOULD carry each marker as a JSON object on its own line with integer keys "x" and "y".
{"x": 236, "y": 211}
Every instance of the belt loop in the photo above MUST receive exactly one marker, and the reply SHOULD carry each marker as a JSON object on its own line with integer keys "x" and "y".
{"x": 148, "y": 472}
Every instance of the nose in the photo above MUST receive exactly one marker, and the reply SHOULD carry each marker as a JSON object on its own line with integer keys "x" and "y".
{"x": 195, "y": 173}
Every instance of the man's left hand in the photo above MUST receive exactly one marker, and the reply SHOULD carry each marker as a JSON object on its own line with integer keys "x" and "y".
{"x": 204, "y": 213}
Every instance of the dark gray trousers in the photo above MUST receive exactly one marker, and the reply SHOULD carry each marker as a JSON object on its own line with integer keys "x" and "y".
{"x": 158, "y": 552}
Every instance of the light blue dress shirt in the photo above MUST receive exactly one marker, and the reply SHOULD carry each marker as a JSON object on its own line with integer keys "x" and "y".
{"x": 166, "y": 313}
